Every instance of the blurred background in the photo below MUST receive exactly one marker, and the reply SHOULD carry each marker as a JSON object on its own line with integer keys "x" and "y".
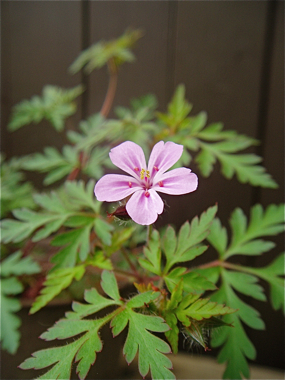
{"x": 229, "y": 55}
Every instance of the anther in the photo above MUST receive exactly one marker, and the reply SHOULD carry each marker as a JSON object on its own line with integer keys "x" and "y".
{"x": 160, "y": 183}
{"x": 155, "y": 168}
{"x": 142, "y": 173}
{"x": 136, "y": 169}
{"x": 147, "y": 174}
{"x": 130, "y": 184}
{"x": 146, "y": 194}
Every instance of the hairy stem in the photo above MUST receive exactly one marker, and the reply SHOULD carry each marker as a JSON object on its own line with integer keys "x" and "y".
{"x": 113, "y": 71}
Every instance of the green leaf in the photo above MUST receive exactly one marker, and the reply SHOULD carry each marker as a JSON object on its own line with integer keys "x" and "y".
{"x": 9, "y": 333}
{"x": 190, "y": 235}
{"x": 271, "y": 274}
{"x": 103, "y": 229}
{"x": 55, "y": 105}
{"x": 14, "y": 265}
{"x": 243, "y": 165}
{"x": 192, "y": 307}
{"x": 262, "y": 223}
{"x": 14, "y": 192}
{"x": 55, "y": 282}
{"x": 83, "y": 350}
{"x": 150, "y": 348}
{"x": 52, "y": 162}
{"x": 102, "y": 52}
{"x": 110, "y": 286}
{"x": 78, "y": 244}
{"x": 245, "y": 284}
{"x": 236, "y": 345}
{"x": 192, "y": 282}
{"x": 153, "y": 254}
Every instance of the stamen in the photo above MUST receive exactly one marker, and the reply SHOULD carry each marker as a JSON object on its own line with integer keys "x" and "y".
{"x": 160, "y": 183}
{"x": 146, "y": 194}
{"x": 142, "y": 173}
{"x": 130, "y": 184}
{"x": 147, "y": 174}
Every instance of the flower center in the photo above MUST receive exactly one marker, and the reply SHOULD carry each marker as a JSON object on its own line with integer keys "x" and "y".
{"x": 144, "y": 174}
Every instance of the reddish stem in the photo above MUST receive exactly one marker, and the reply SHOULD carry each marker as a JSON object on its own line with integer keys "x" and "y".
{"x": 111, "y": 88}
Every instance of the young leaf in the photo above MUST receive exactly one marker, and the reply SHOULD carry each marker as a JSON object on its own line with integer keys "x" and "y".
{"x": 102, "y": 52}
{"x": 192, "y": 282}
{"x": 153, "y": 255}
{"x": 55, "y": 105}
{"x": 190, "y": 235}
{"x": 55, "y": 282}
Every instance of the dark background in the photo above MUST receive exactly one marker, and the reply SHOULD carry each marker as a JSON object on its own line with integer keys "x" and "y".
{"x": 229, "y": 55}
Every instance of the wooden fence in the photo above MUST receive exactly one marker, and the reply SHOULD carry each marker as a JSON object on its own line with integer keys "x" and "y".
{"x": 229, "y": 55}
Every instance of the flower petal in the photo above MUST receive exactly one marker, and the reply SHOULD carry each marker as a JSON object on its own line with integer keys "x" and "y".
{"x": 114, "y": 187}
{"x": 176, "y": 182}
{"x": 144, "y": 210}
{"x": 163, "y": 156}
{"x": 129, "y": 157}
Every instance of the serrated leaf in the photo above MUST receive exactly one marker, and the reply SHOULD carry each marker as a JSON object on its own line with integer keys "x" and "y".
{"x": 153, "y": 254}
{"x": 9, "y": 333}
{"x": 243, "y": 165}
{"x": 57, "y": 165}
{"x": 150, "y": 348}
{"x": 199, "y": 309}
{"x": 84, "y": 349}
{"x": 77, "y": 244}
{"x": 55, "y": 282}
{"x": 109, "y": 285}
{"x": 15, "y": 265}
{"x": 190, "y": 235}
{"x": 271, "y": 274}
{"x": 192, "y": 282}
{"x": 102, "y": 52}
{"x": 55, "y": 105}
{"x": 237, "y": 346}
{"x": 267, "y": 223}
{"x": 103, "y": 229}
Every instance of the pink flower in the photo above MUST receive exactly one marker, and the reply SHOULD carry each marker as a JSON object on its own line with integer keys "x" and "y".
{"x": 144, "y": 182}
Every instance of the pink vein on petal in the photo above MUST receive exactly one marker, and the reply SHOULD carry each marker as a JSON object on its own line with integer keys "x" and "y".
{"x": 164, "y": 156}
{"x": 176, "y": 182}
{"x": 114, "y": 187}
{"x": 144, "y": 210}
{"x": 128, "y": 156}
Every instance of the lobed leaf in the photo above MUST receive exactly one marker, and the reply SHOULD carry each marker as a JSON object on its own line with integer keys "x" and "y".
{"x": 190, "y": 235}
{"x": 55, "y": 105}
{"x": 55, "y": 282}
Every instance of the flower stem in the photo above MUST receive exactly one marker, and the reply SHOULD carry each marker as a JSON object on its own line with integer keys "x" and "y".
{"x": 113, "y": 71}
{"x": 149, "y": 232}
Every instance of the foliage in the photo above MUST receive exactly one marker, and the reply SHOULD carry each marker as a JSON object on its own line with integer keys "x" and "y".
{"x": 15, "y": 193}
{"x": 245, "y": 241}
{"x": 12, "y": 267}
{"x": 100, "y": 53}
{"x": 214, "y": 143}
{"x": 55, "y": 105}
{"x": 82, "y": 237}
